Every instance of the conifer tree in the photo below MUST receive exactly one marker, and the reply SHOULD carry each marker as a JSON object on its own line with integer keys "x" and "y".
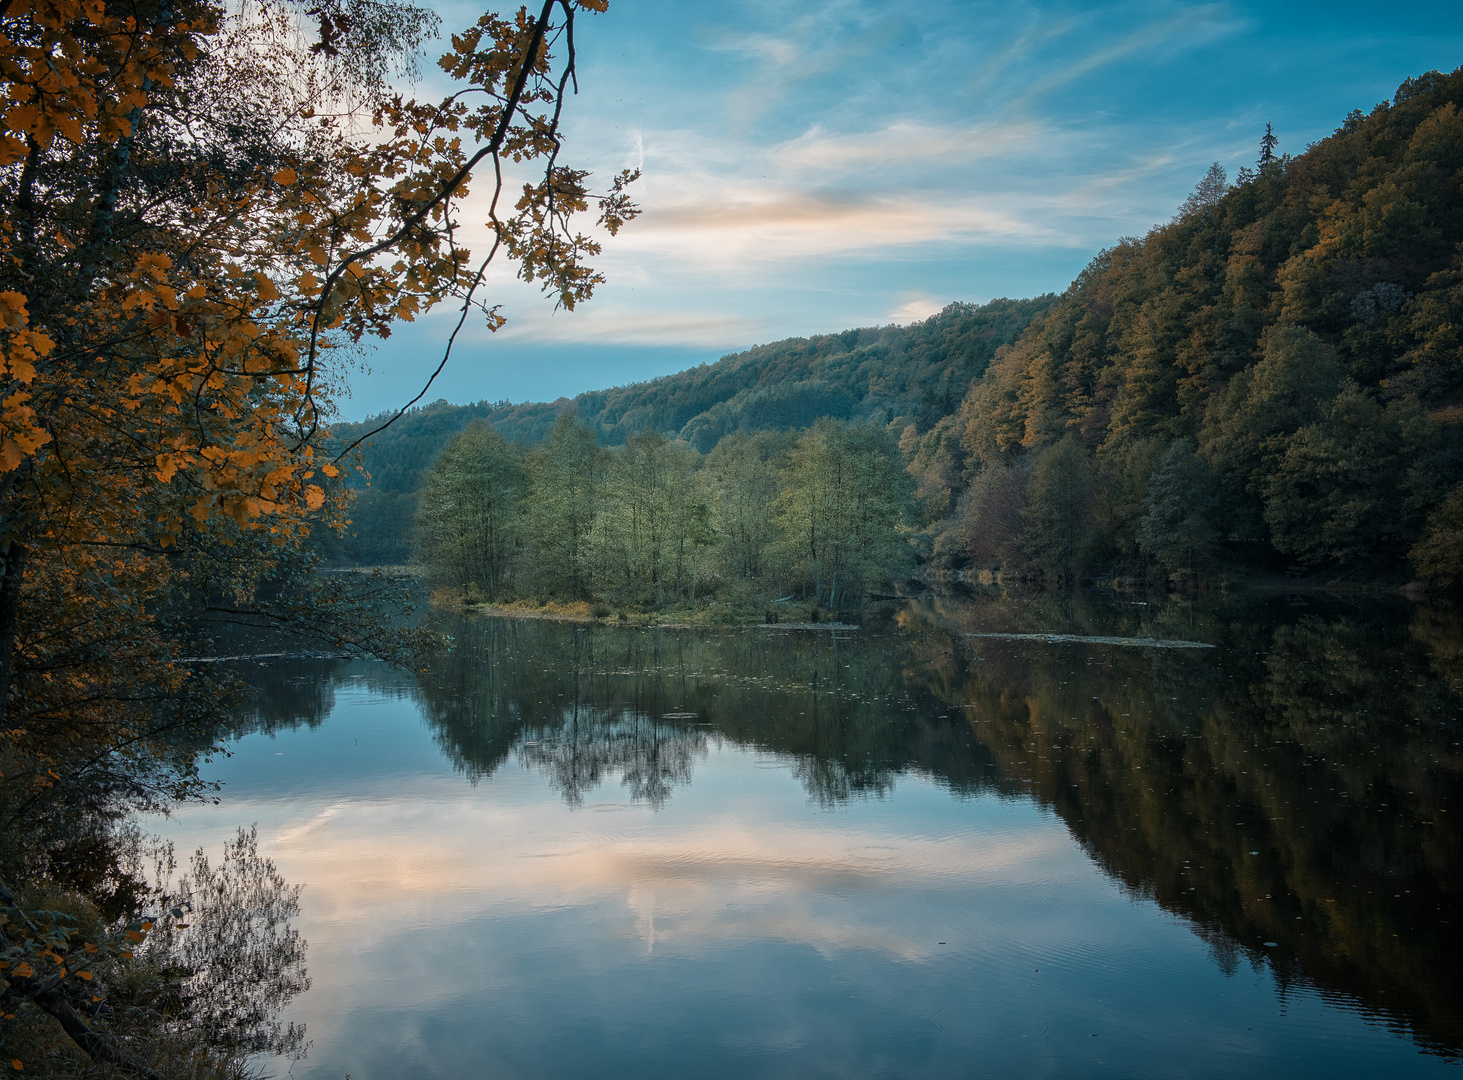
{"x": 1268, "y": 142}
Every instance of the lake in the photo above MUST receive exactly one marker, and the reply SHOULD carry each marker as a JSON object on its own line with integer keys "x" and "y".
{"x": 966, "y": 839}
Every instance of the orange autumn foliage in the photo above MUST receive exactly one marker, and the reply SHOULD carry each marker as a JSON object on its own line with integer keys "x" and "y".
{"x": 200, "y": 213}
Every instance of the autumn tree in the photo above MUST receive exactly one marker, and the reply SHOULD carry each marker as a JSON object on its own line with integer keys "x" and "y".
{"x": 201, "y": 211}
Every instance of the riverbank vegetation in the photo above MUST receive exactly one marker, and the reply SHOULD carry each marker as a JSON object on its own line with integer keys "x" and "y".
{"x": 817, "y": 516}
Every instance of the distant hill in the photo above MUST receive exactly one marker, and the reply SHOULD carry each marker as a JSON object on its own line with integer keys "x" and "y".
{"x": 917, "y": 373}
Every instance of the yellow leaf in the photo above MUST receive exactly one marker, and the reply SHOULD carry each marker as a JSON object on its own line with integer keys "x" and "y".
{"x": 314, "y": 496}
{"x": 285, "y": 177}
{"x": 84, "y": 975}
{"x": 330, "y": 470}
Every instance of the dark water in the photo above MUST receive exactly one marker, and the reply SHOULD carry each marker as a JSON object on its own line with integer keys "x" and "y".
{"x": 899, "y": 851}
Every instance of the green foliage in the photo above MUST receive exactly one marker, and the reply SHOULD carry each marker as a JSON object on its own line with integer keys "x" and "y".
{"x": 841, "y": 509}
{"x": 1058, "y": 510}
{"x": 469, "y": 518}
{"x": 650, "y": 537}
{"x": 651, "y": 524}
{"x": 1178, "y": 529}
{"x": 919, "y": 372}
{"x": 1334, "y": 495}
{"x": 568, "y": 474}
{"x": 1438, "y": 556}
{"x": 743, "y": 471}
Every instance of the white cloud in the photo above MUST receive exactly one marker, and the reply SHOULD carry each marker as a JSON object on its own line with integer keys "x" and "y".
{"x": 619, "y": 325}
{"x": 914, "y": 143}
{"x": 915, "y": 309}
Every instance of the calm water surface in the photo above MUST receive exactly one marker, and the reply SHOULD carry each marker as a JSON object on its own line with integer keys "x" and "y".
{"x": 899, "y": 851}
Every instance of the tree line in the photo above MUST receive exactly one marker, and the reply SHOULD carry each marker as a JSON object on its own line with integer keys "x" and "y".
{"x": 818, "y": 514}
{"x": 918, "y": 372}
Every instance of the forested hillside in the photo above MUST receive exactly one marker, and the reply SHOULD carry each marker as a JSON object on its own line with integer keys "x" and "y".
{"x": 1274, "y": 377}
{"x": 1272, "y": 380}
{"x": 909, "y": 374}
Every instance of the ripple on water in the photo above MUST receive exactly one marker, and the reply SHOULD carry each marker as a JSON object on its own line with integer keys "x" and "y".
{"x": 873, "y": 852}
{"x": 969, "y": 1024}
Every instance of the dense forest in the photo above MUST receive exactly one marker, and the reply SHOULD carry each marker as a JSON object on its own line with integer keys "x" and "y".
{"x": 1273, "y": 380}
{"x": 903, "y": 374}
{"x": 652, "y": 523}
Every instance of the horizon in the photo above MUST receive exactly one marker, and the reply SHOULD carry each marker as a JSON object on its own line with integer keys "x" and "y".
{"x": 857, "y": 168}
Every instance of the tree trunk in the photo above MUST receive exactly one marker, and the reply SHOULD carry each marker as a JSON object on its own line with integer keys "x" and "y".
{"x": 10, "y": 580}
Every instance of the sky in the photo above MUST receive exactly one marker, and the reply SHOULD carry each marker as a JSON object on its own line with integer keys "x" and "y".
{"x": 814, "y": 167}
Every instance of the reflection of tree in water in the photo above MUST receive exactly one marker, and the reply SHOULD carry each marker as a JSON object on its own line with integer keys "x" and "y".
{"x": 587, "y": 702}
{"x": 291, "y": 692}
{"x": 1323, "y": 741}
{"x": 587, "y": 745}
{"x": 286, "y": 694}
{"x": 1296, "y": 795}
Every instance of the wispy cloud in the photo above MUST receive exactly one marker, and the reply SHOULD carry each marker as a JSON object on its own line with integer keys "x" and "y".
{"x": 618, "y": 324}
{"x": 912, "y": 142}
{"x": 1188, "y": 28}
{"x": 811, "y": 168}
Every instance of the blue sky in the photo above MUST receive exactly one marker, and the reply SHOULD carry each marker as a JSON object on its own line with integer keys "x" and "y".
{"x": 814, "y": 167}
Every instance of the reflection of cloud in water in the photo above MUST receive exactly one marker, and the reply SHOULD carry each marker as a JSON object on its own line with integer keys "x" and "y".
{"x": 1321, "y": 743}
{"x": 733, "y": 875}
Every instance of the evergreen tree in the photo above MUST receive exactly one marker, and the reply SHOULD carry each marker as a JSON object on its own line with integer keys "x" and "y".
{"x": 1268, "y": 142}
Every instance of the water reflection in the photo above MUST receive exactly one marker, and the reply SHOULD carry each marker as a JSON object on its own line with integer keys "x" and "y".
{"x": 1293, "y": 794}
